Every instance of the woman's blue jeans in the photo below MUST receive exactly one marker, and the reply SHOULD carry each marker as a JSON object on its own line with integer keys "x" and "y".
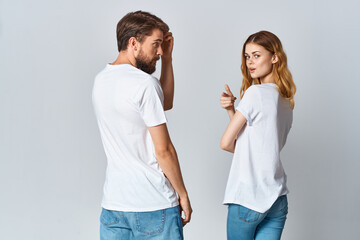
{"x": 165, "y": 224}
{"x": 246, "y": 224}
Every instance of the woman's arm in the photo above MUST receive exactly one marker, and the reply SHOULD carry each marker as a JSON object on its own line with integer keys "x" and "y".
{"x": 228, "y": 139}
{"x": 230, "y": 112}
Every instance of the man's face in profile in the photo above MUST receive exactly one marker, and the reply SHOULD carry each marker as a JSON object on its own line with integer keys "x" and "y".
{"x": 150, "y": 52}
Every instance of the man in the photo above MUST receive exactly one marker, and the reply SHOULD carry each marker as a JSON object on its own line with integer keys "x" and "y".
{"x": 144, "y": 193}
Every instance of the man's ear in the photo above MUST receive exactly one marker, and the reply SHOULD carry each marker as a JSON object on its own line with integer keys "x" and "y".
{"x": 274, "y": 59}
{"x": 133, "y": 43}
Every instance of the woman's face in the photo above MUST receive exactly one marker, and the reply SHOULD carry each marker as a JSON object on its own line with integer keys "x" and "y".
{"x": 259, "y": 61}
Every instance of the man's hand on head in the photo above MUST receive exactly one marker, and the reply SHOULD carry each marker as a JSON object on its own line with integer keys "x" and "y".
{"x": 167, "y": 46}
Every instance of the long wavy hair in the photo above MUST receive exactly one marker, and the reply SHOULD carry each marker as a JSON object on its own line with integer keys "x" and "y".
{"x": 280, "y": 71}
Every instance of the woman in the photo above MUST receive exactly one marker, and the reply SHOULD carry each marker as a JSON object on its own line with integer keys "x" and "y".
{"x": 256, "y": 189}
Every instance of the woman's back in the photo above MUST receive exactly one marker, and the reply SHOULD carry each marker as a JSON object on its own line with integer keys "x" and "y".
{"x": 257, "y": 177}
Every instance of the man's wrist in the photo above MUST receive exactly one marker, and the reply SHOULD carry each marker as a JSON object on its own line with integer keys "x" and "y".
{"x": 166, "y": 59}
{"x": 183, "y": 194}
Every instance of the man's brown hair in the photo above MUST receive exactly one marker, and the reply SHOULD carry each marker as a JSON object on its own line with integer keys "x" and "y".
{"x": 137, "y": 24}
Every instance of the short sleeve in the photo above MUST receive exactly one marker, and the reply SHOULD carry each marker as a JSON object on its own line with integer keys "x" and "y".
{"x": 151, "y": 100}
{"x": 250, "y": 104}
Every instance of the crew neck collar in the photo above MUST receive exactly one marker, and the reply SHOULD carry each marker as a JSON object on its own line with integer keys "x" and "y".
{"x": 273, "y": 84}
{"x": 119, "y": 65}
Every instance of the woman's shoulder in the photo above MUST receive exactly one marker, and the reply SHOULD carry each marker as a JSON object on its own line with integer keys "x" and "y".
{"x": 252, "y": 93}
{"x": 253, "y": 90}
{"x": 259, "y": 91}
{"x": 258, "y": 88}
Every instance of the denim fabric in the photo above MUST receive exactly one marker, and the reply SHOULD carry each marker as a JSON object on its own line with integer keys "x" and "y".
{"x": 246, "y": 224}
{"x": 163, "y": 224}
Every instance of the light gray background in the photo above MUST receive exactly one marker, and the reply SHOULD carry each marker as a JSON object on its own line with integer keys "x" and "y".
{"x": 52, "y": 163}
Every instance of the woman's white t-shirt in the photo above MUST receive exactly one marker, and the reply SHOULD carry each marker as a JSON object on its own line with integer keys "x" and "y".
{"x": 257, "y": 177}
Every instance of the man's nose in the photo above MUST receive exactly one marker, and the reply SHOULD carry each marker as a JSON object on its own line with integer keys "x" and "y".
{"x": 159, "y": 51}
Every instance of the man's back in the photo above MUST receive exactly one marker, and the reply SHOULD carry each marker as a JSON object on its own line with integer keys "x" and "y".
{"x": 127, "y": 101}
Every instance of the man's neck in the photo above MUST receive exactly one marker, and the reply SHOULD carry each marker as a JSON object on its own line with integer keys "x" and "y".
{"x": 124, "y": 58}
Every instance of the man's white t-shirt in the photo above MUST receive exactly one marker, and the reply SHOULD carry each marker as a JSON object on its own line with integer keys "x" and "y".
{"x": 257, "y": 177}
{"x": 126, "y": 101}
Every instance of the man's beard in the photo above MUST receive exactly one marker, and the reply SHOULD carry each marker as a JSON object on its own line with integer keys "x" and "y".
{"x": 142, "y": 63}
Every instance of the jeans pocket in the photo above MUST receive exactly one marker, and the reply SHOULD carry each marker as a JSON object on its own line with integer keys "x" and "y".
{"x": 150, "y": 223}
{"x": 247, "y": 215}
{"x": 284, "y": 204}
{"x": 108, "y": 217}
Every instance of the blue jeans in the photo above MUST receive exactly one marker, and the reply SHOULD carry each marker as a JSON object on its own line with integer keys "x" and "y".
{"x": 246, "y": 224}
{"x": 163, "y": 224}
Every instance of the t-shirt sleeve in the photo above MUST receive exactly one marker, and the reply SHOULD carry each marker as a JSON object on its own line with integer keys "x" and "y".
{"x": 151, "y": 103}
{"x": 250, "y": 104}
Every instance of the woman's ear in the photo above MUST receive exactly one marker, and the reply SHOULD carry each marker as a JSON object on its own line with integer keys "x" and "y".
{"x": 274, "y": 59}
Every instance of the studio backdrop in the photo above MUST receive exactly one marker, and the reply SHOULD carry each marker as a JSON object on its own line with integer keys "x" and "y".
{"x": 52, "y": 163}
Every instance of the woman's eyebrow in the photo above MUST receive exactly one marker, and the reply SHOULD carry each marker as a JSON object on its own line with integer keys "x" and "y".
{"x": 252, "y": 52}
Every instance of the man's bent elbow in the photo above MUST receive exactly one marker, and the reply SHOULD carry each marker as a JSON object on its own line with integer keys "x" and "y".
{"x": 168, "y": 107}
{"x": 165, "y": 152}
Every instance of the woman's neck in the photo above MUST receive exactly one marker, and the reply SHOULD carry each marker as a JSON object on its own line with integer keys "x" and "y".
{"x": 267, "y": 79}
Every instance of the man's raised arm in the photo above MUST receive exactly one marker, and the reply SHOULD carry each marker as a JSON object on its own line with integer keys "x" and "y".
{"x": 167, "y": 74}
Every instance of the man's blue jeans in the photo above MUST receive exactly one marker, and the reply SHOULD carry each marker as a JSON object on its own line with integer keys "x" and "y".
{"x": 163, "y": 224}
{"x": 246, "y": 224}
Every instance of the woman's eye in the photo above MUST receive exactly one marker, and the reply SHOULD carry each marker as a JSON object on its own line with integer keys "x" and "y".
{"x": 156, "y": 45}
{"x": 257, "y": 56}
{"x": 247, "y": 57}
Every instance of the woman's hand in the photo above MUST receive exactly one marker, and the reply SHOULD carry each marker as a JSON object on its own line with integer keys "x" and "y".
{"x": 227, "y": 99}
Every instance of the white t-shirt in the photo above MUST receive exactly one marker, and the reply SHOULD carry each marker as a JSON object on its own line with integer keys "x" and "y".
{"x": 257, "y": 177}
{"x": 126, "y": 101}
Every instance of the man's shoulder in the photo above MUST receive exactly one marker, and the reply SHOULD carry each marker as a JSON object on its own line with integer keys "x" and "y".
{"x": 127, "y": 75}
{"x": 139, "y": 76}
{"x": 125, "y": 71}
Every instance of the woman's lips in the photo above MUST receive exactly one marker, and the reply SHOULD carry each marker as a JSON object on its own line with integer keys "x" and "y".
{"x": 251, "y": 70}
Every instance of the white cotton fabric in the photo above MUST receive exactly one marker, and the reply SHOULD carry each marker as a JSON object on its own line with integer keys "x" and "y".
{"x": 257, "y": 177}
{"x": 126, "y": 101}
